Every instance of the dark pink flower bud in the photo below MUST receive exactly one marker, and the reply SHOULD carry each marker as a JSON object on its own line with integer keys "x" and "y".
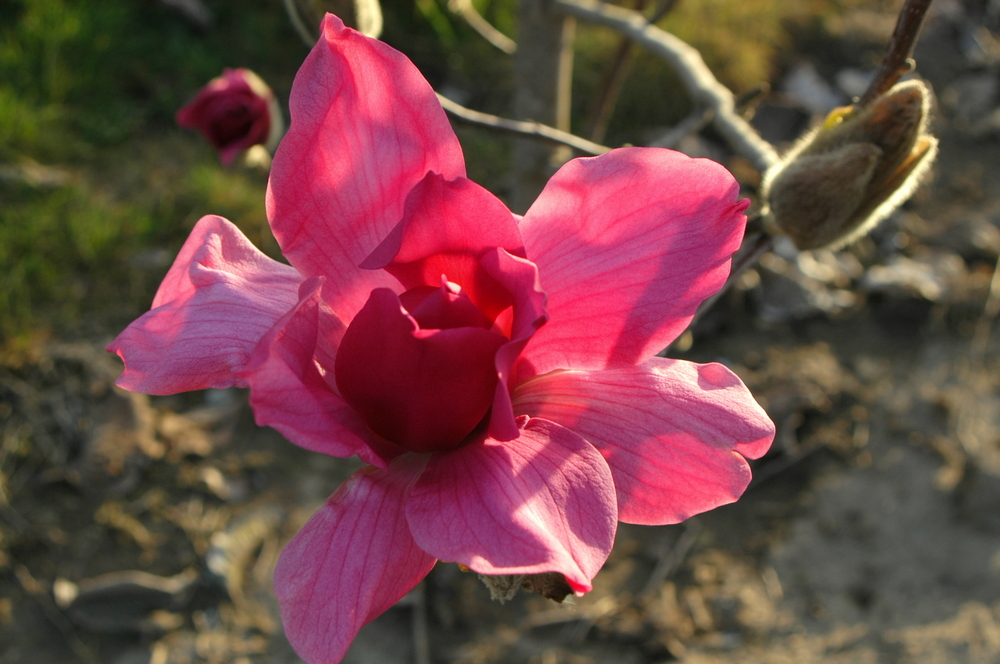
{"x": 234, "y": 112}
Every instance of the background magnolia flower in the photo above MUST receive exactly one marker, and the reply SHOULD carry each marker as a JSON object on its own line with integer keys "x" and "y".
{"x": 234, "y": 112}
{"x": 498, "y": 374}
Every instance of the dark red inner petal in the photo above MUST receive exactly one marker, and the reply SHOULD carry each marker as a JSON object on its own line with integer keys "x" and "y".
{"x": 442, "y": 308}
{"x": 424, "y": 389}
{"x": 488, "y": 295}
{"x": 447, "y": 227}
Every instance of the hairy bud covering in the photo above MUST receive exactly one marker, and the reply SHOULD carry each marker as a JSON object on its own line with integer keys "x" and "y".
{"x": 844, "y": 177}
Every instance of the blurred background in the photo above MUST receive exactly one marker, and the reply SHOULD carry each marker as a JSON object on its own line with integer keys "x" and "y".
{"x": 141, "y": 529}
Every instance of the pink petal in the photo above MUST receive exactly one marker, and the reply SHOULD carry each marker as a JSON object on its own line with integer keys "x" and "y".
{"x": 676, "y": 434}
{"x": 366, "y": 127}
{"x": 352, "y": 561}
{"x": 289, "y": 376}
{"x": 219, "y": 298}
{"x": 446, "y": 228}
{"x": 425, "y": 390}
{"x": 447, "y": 216}
{"x": 543, "y": 502}
{"x": 520, "y": 278}
{"x": 627, "y": 244}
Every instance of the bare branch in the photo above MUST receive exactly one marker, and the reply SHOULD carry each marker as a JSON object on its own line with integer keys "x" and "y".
{"x": 543, "y": 88}
{"x": 664, "y": 8}
{"x": 523, "y": 128}
{"x": 693, "y": 123}
{"x": 467, "y": 11}
{"x": 897, "y": 59}
{"x": 701, "y": 84}
{"x": 614, "y": 76}
{"x": 298, "y": 22}
{"x": 603, "y": 104}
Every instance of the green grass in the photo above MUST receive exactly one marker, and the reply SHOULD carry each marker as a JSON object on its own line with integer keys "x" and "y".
{"x": 90, "y": 87}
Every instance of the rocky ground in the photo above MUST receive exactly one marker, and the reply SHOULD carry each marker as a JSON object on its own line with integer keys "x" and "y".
{"x": 137, "y": 529}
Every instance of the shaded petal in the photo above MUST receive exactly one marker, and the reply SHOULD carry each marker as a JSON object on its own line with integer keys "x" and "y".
{"x": 423, "y": 389}
{"x": 441, "y": 308}
{"x": 352, "y": 561}
{"x": 676, "y": 434}
{"x": 446, "y": 227}
{"x": 366, "y": 127}
{"x": 290, "y": 386}
{"x": 519, "y": 277}
{"x": 543, "y": 502}
{"x": 447, "y": 216}
{"x": 627, "y": 244}
{"x": 218, "y": 299}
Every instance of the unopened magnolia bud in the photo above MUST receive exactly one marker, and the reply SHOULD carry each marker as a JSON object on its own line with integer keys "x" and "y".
{"x": 843, "y": 178}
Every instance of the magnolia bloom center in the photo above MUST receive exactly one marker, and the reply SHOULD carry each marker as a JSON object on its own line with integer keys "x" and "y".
{"x": 555, "y": 417}
{"x": 419, "y": 367}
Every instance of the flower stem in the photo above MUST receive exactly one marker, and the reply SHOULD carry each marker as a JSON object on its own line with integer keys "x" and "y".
{"x": 898, "y": 60}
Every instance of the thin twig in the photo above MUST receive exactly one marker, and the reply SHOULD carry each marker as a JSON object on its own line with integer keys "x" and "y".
{"x": 664, "y": 8}
{"x": 746, "y": 102}
{"x": 468, "y": 11}
{"x": 898, "y": 59}
{"x": 299, "y": 24}
{"x": 606, "y": 97}
{"x": 671, "y": 559}
{"x": 522, "y": 127}
{"x": 698, "y": 79}
{"x": 614, "y": 78}
{"x": 981, "y": 336}
{"x": 692, "y": 124}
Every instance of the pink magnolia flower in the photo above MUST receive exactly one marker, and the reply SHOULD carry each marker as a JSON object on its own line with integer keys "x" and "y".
{"x": 234, "y": 112}
{"x": 497, "y": 373}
